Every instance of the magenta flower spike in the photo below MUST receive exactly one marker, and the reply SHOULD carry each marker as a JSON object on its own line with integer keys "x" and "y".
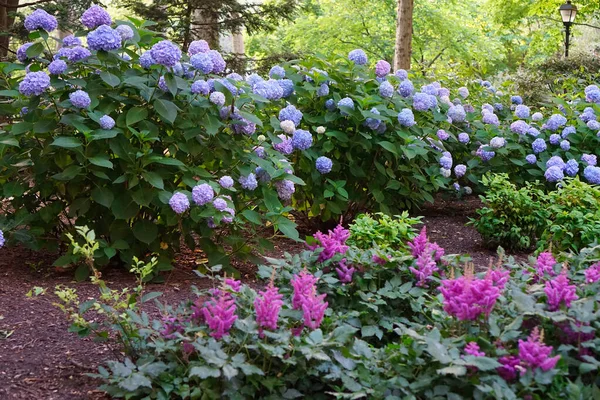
{"x": 533, "y": 353}
{"x": 592, "y": 274}
{"x": 417, "y": 246}
{"x": 426, "y": 265}
{"x": 545, "y": 265}
{"x": 267, "y": 306}
{"x": 303, "y": 284}
{"x": 220, "y": 315}
{"x": 345, "y": 272}
{"x": 472, "y": 348}
{"x": 334, "y": 242}
{"x": 313, "y": 307}
{"x": 558, "y": 290}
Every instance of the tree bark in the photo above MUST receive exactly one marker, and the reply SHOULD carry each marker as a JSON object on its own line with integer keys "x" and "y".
{"x": 6, "y": 23}
{"x": 404, "y": 30}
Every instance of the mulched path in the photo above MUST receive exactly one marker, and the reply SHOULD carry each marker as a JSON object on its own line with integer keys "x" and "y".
{"x": 40, "y": 359}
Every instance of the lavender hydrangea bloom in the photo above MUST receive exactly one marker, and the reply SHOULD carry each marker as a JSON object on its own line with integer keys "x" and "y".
{"x": 287, "y": 86}
{"x": 463, "y": 92}
{"x": 406, "y": 88}
{"x": 200, "y": 87}
{"x": 248, "y": 182}
{"x": 290, "y": 113}
{"x": 592, "y": 174}
{"x": 220, "y": 204}
{"x": 324, "y": 165}
{"x": 593, "y": 125}
{"x": 538, "y": 145}
{"x": 497, "y": 142}
{"x": 538, "y": 116}
{"x": 245, "y": 126}
{"x": 162, "y": 84}
{"x": 22, "y": 52}
{"x": 77, "y": 53}
{"x": 490, "y": 118}
{"x": 406, "y": 117}
{"x": 24, "y": 111}
{"x": 554, "y": 174}
{"x": 2, "y": 240}
{"x": 442, "y": 134}
{"x": 125, "y": 32}
{"x": 285, "y": 146}
{"x": 565, "y": 145}
{"x": 571, "y": 168}
{"x": 421, "y": 102}
{"x": 104, "y": 38}
{"x": 593, "y": 96}
{"x": 218, "y": 61}
{"x": 34, "y": 83}
{"x": 106, "y": 122}
{"x": 202, "y": 62}
{"x": 166, "y": 53}
{"x": 457, "y": 113}
{"x": 373, "y": 123}
{"x": 382, "y": 68}
{"x": 71, "y": 40}
{"x": 57, "y": 67}
{"x": 262, "y": 175}
{"x": 520, "y": 127}
{"x": 446, "y": 162}
{"x": 401, "y": 74}
{"x": 198, "y": 46}
{"x": 226, "y": 182}
{"x": 554, "y": 139}
{"x": 260, "y": 152}
{"x": 555, "y": 161}
{"x": 358, "y": 57}
{"x": 567, "y": 131}
{"x": 323, "y": 90}
{"x": 269, "y": 89}
{"x": 517, "y": 100}
{"x": 217, "y": 98}
{"x": 179, "y": 203}
{"x": 345, "y": 102}
{"x": 386, "y": 89}
{"x": 80, "y": 99}
{"x": 522, "y": 111}
{"x": 531, "y": 158}
{"x": 330, "y": 105}
{"x": 277, "y": 72}
{"x": 589, "y": 159}
{"x": 40, "y": 19}
{"x": 485, "y": 155}
{"x": 285, "y": 189}
{"x": 533, "y": 132}
{"x": 202, "y": 194}
{"x": 460, "y": 170}
{"x": 95, "y": 16}
{"x": 463, "y": 137}
{"x": 443, "y": 92}
{"x": 445, "y": 172}
{"x": 554, "y": 122}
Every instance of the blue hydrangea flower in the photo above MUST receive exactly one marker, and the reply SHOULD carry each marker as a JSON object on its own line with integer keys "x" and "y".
{"x": 386, "y": 89}
{"x": 457, "y": 113}
{"x": 24, "y": 111}
{"x": 285, "y": 146}
{"x": 2, "y": 240}
{"x": 358, "y": 57}
{"x": 287, "y": 86}
{"x": 162, "y": 84}
{"x": 442, "y": 134}
{"x": 146, "y": 60}
{"x": 285, "y": 189}
{"x": 71, "y": 40}
{"x": 485, "y": 155}
{"x": 487, "y": 107}
{"x": 555, "y": 161}
{"x": 230, "y": 86}
{"x": 421, "y": 102}
{"x": 22, "y": 52}
{"x": 228, "y": 216}
{"x": 460, "y": 170}
{"x": 277, "y": 72}
{"x": 406, "y": 88}
{"x": 531, "y": 158}
{"x": 533, "y": 132}
{"x": 491, "y": 119}
{"x": 345, "y": 102}
{"x": 57, "y": 67}
{"x": 565, "y": 145}
{"x": 260, "y": 152}
{"x": 200, "y": 87}
{"x": 262, "y": 175}
{"x": 567, "y": 131}
{"x": 373, "y": 123}
{"x": 34, "y": 83}
{"x": 290, "y": 113}
{"x": 40, "y": 19}
{"x": 80, "y": 99}
{"x": 226, "y": 182}
{"x": 520, "y": 127}
{"x": 95, "y": 16}
{"x": 202, "y": 62}
{"x": 446, "y": 162}
{"x": 538, "y": 116}
{"x": 498, "y": 106}
{"x": 571, "y": 168}
{"x": 218, "y": 61}
{"x": 323, "y": 90}
{"x": 593, "y": 96}
{"x": 202, "y": 194}
{"x": 517, "y": 100}
{"x": 74, "y": 54}
{"x": 538, "y": 145}
{"x": 589, "y": 159}
{"x": 330, "y": 105}
{"x": 463, "y": 92}
{"x": 165, "y": 53}
{"x": 324, "y": 165}
{"x": 406, "y": 117}
{"x": 593, "y": 125}
{"x": 554, "y": 174}
{"x": 554, "y": 122}
{"x": 381, "y": 128}
{"x": 253, "y": 79}
{"x": 445, "y": 172}
{"x": 554, "y": 139}
{"x": 248, "y": 182}
{"x": 106, "y": 122}
{"x": 104, "y": 38}
{"x": 217, "y": 98}
{"x": 588, "y": 114}
{"x": 125, "y": 32}
{"x": 522, "y": 111}
{"x": 243, "y": 126}
{"x": 268, "y": 89}
{"x": 443, "y": 92}
{"x": 497, "y": 142}
{"x": 198, "y": 46}
{"x": 463, "y": 137}
{"x": 302, "y": 140}
{"x": 382, "y": 68}
{"x": 592, "y": 174}
{"x": 402, "y": 74}
{"x": 220, "y": 204}
{"x": 179, "y": 203}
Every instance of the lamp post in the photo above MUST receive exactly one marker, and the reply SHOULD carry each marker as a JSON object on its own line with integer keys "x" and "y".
{"x": 567, "y": 13}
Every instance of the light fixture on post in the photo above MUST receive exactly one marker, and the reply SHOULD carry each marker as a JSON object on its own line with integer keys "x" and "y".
{"x": 567, "y": 12}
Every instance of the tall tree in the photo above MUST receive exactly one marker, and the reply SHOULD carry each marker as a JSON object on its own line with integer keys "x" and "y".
{"x": 404, "y": 32}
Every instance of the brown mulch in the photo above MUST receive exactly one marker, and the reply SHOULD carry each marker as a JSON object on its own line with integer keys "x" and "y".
{"x": 40, "y": 359}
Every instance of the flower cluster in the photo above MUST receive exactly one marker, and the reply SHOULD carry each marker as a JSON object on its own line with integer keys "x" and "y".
{"x": 267, "y": 306}
{"x": 332, "y": 243}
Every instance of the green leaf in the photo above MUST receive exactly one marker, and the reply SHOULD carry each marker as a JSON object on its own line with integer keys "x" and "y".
{"x": 101, "y": 162}
{"x": 389, "y": 146}
{"x": 35, "y": 50}
{"x": 145, "y": 231}
{"x": 150, "y": 296}
{"x": 103, "y": 195}
{"x": 9, "y": 141}
{"x": 136, "y": 114}
{"x": 154, "y": 179}
{"x": 205, "y": 372}
{"x": 171, "y": 83}
{"x": 166, "y": 109}
{"x": 69, "y": 173}
{"x": 229, "y": 371}
{"x": 82, "y": 273}
{"x": 482, "y": 363}
{"x": 67, "y": 142}
{"x": 288, "y": 228}
{"x": 134, "y": 382}
{"x": 110, "y": 79}
{"x": 252, "y": 216}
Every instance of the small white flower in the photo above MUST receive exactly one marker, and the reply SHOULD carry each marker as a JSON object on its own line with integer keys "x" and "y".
{"x": 320, "y": 129}
{"x": 288, "y": 126}
{"x": 468, "y": 190}
{"x": 445, "y": 172}
{"x": 261, "y": 138}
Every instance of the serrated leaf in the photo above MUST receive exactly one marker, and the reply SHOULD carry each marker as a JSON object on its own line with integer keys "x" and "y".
{"x": 67, "y": 142}
{"x": 166, "y": 109}
{"x": 101, "y": 162}
{"x": 110, "y": 79}
{"x": 135, "y": 381}
{"x": 103, "y": 195}
{"x": 145, "y": 231}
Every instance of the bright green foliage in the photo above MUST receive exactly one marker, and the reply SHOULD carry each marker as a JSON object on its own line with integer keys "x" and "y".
{"x": 381, "y": 230}
{"x": 513, "y": 218}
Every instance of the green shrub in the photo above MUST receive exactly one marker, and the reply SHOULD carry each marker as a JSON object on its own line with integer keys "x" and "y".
{"x": 382, "y": 231}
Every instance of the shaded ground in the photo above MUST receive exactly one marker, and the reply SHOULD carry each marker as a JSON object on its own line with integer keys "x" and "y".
{"x": 40, "y": 360}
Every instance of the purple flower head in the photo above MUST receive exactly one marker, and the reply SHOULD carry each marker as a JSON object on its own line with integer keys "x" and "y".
{"x": 406, "y": 117}
{"x": 202, "y": 62}
{"x": 522, "y": 111}
{"x": 592, "y": 174}
{"x": 226, "y": 182}
{"x": 565, "y": 145}
{"x": 34, "y": 83}
{"x": 442, "y": 134}
{"x": 324, "y": 165}
{"x": 171, "y": 327}
{"x": 419, "y": 244}
{"x": 313, "y": 309}
{"x": 285, "y": 189}
{"x": 24, "y": 111}
{"x": 200, "y": 87}
{"x": 382, "y": 68}
{"x": 344, "y": 271}
{"x": 497, "y": 142}
{"x": 485, "y": 155}
{"x": 219, "y": 203}
{"x": 248, "y": 182}
{"x": 218, "y": 61}
{"x": 568, "y": 131}
{"x": 267, "y": 306}
{"x": 558, "y": 290}
{"x": 463, "y": 137}
{"x": 467, "y": 297}
{"x": 406, "y": 88}
{"x": 593, "y": 125}
{"x": 104, "y": 38}
{"x": 555, "y": 161}
{"x": 457, "y": 113}
{"x": 490, "y": 118}
{"x": 146, "y": 60}
{"x": 330, "y": 105}
{"x": 277, "y": 72}
{"x": 95, "y": 16}
{"x": 22, "y": 52}
{"x": 460, "y": 170}
{"x": 373, "y": 123}
{"x": 57, "y": 67}
{"x": 106, "y": 122}
{"x": 268, "y": 89}
{"x": 386, "y": 89}
{"x": 179, "y": 203}
{"x": 472, "y": 348}
{"x": 324, "y": 90}
{"x": 463, "y": 92}
{"x": 520, "y": 127}
{"x": 125, "y": 31}
{"x": 401, "y": 74}
{"x": 592, "y": 274}
{"x": 217, "y": 98}
{"x": 534, "y": 354}
{"x": 571, "y": 168}
{"x": 166, "y": 53}
{"x": 538, "y": 116}
{"x": 162, "y": 84}
{"x": 446, "y": 162}
{"x": 516, "y": 100}
{"x": 290, "y": 113}
{"x": 71, "y": 40}
{"x": 202, "y": 194}
{"x": 40, "y": 19}
{"x": 531, "y": 158}
{"x": 302, "y": 140}
{"x": 554, "y": 174}
{"x": 443, "y": 92}
{"x": 303, "y": 284}
{"x": 538, "y": 145}
{"x": 243, "y": 126}
{"x": 425, "y": 265}
{"x": 545, "y": 265}
{"x": 499, "y": 277}
{"x": 422, "y": 102}
{"x": 554, "y": 122}
{"x": 358, "y": 57}
{"x": 80, "y": 99}
{"x": 198, "y": 46}
{"x": 332, "y": 243}
{"x": 508, "y": 371}
{"x": 589, "y": 159}
{"x": 220, "y": 315}
{"x": 345, "y": 102}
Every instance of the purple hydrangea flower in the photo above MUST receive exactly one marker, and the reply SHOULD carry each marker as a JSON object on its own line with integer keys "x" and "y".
{"x": 277, "y": 72}
{"x": 268, "y": 89}
{"x": 406, "y": 117}
{"x": 345, "y": 102}
{"x": 71, "y": 40}
{"x": 57, "y": 67}
{"x": 497, "y": 142}
{"x": 76, "y": 53}
{"x": 217, "y": 98}
{"x": 226, "y": 182}
{"x": 533, "y": 132}
{"x": 285, "y": 189}
{"x": 406, "y": 88}
{"x": 593, "y": 96}
{"x": 538, "y": 116}
{"x": 260, "y": 152}
{"x": 330, "y": 105}
{"x": 463, "y": 137}
{"x": 386, "y": 89}
{"x": 401, "y": 74}
{"x": 568, "y": 131}
{"x": 2, "y": 240}
{"x": 262, "y": 175}
{"x": 421, "y": 102}
{"x": 34, "y": 83}
{"x": 179, "y": 203}
{"x": 162, "y": 84}
{"x": 538, "y": 145}
{"x": 245, "y": 126}
{"x": 218, "y": 61}
{"x": 589, "y": 159}
{"x": 571, "y": 168}
{"x": 40, "y": 19}
{"x": 382, "y": 68}
{"x": 146, "y": 60}
{"x": 24, "y": 111}
{"x": 324, "y": 165}
{"x": 302, "y": 140}
{"x": 95, "y": 16}
{"x": 80, "y": 99}
{"x": 446, "y": 162}
{"x": 457, "y": 113}
{"x": 125, "y": 31}
{"x": 203, "y": 194}
{"x": 373, "y": 123}
{"x": 522, "y": 111}
{"x": 485, "y": 155}
{"x": 554, "y": 139}
{"x": 228, "y": 216}
{"x": 592, "y": 174}
{"x": 166, "y": 53}
{"x": 565, "y": 145}
{"x": 517, "y": 100}
{"x": 324, "y": 90}
{"x": 555, "y": 161}
{"x": 202, "y": 62}
{"x": 463, "y": 92}
{"x": 487, "y": 107}
{"x": 531, "y": 158}
{"x": 588, "y": 114}
{"x": 106, "y": 122}
{"x": 104, "y": 38}
{"x": 358, "y": 57}
{"x": 290, "y": 113}
{"x": 220, "y": 204}
{"x": 442, "y": 134}
{"x": 554, "y": 122}
{"x": 593, "y": 125}
{"x": 285, "y": 146}
{"x": 490, "y": 118}
{"x": 520, "y": 127}
{"x": 200, "y": 87}
{"x": 22, "y": 52}
{"x": 248, "y": 182}
{"x": 198, "y": 46}
{"x": 460, "y": 170}
{"x": 554, "y": 174}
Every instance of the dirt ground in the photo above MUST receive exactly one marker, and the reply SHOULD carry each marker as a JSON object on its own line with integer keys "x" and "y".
{"x": 40, "y": 359}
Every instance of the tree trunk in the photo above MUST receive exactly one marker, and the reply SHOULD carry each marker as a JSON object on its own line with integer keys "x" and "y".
{"x": 205, "y": 26}
{"x": 6, "y": 23}
{"x": 404, "y": 29}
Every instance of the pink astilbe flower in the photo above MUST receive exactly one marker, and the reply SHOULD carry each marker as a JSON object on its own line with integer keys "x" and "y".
{"x": 332, "y": 243}
{"x": 419, "y": 243}
{"x": 558, "y": 290}
{"x": 313, "y": 308}
{"x": 267, "y": 306}
{"x": 472, "y": 348}
{"x": 220, "y": 315}
{"x": 233, "y": 284}
{"x": 533, "y": 353}
{"x": 379, "y": 260}
{"x": 499, "y": 277}
{"x": 467, "y": 297}
{"x": 171, "y": 327}
{"x": 545, "y": 265}
{"x": 345, "y": 272}
{"x": 304, "y": 284}
{"x": 509, "y": 369}
{"x": 426, "y": 265}
{"x": 592, "y": 274}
